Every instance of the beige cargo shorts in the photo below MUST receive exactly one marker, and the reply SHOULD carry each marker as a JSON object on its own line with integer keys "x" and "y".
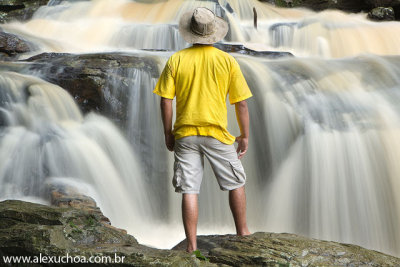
{"x": 189, "y": 164}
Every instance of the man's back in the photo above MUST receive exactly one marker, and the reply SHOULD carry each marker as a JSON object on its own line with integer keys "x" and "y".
{"x": 201, "y": 77}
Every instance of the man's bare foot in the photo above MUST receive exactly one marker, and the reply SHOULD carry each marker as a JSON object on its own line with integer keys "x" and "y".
{"x": 190, "y": 249}
{"x": 244, "y": 233}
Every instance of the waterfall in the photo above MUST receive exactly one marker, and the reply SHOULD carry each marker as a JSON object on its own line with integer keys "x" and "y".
{"x": 45, "y": 139}
{"x": 323, "y": 152}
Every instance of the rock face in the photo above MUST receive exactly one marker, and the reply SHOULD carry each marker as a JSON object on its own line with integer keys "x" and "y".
{"x": 19, "y": 9}
{"x": 28, "y": 229}
{"x": 11, "y": 46}
{"x": 268, "y": 249}
{"x": 382, "y": 13}
{"x": 85, "y": 76}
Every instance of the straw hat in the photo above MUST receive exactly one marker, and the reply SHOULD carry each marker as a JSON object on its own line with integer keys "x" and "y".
{"x": 201, "y": 26}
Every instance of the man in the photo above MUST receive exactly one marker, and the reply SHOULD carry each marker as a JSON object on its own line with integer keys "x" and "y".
{"x": 201, "y": 77}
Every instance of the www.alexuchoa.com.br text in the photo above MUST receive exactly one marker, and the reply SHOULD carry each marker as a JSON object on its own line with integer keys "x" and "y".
{"x": 63, "y": 259}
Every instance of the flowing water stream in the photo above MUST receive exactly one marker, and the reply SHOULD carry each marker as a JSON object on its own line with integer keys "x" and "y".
{"x": 325, "y": 124}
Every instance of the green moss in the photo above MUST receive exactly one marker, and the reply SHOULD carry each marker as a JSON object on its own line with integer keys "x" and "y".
{"x": 90, "y": 221}
{"x": 75, "y": 229}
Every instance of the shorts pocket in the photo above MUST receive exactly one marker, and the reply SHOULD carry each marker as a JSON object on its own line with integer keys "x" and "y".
{"x": 238, "y": 170}
{"x": 176, "y": 180}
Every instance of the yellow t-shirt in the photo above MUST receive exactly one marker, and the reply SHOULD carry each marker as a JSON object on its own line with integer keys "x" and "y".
{"x": 201, "y": 77}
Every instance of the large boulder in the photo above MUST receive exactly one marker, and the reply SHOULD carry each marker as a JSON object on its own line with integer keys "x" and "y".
{"x": 11, "y": 46}
{"x": 19, "y": 9}
{"x": 28, "y": 229}
{"x": 85, "y": 76}
{"x": 270, "y": 249}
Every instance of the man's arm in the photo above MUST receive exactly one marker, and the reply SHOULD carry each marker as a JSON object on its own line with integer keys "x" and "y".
{"x": 166, "y": 114}
{"x": 242, "y": 116}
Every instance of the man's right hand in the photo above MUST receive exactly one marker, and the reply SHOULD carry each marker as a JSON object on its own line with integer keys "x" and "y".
{"x": 170, "y": 141}
{"x": 243, "y": 143}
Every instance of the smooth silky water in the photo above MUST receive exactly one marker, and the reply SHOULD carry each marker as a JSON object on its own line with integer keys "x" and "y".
{"x": 324, "y": 143}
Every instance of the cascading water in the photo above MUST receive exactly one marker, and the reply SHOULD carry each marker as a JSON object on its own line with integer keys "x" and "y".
{"x": 324, "y": 131}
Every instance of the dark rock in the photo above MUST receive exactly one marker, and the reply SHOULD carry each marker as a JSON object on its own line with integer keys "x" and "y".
{"x": 11, "y": 46}
{"x": 269, "y": 249}
{"x": 241, "y": 49}
{"x": 28, "y": 229}
{"x": 382, "y": 3}
{"x": 19, "y": 9}
{"x": 395, "y": 4}
{"x": 382, "y": 13}
{"x": 346, "y": 5}
{"x": 85, "y": 76}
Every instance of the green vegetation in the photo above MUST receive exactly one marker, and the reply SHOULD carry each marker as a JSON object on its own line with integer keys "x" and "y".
{"x": 90, "y": 221}
{"x": 75, "y": 229}
{"x": 200, "y": 256}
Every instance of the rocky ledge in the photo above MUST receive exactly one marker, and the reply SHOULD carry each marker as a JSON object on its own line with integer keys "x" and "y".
{"x": 270, "y": 249}
{"x": 356, "y": 6}
{"x": 11, "y": 46}
{"x": 19, "y": 9}
{"x": 85, "y": 76}
{"x": 29, "y": 229}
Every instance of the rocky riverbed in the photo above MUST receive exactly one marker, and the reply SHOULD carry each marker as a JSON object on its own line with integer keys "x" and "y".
{"x": 77, "y": 228}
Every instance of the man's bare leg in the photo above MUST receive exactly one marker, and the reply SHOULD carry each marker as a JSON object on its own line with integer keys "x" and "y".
{"x": 190, "y": 214}
{"x": 237, "y": 202}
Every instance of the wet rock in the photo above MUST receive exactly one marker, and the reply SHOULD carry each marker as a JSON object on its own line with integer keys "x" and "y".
{"x": 383, "y": 3}
{"x": 85, "y": 76}
{"x": 19, "y": 9}
{"x": 67, "y": 196}
{"x": 382, "y": 13}
{"x": 346, "y": 5}
{"x": 395, "y": 4}
{"x": 28, "y": 229}
{"x": 11, "y": 46}
{"x": 269, "y": 249}
{"x": 241, "y": 49}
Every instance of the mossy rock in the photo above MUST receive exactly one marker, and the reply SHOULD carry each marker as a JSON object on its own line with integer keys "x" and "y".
{"x": 29, "y": 229}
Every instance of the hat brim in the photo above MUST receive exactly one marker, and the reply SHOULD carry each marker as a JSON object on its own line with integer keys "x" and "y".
{"x": 221, "y": 29}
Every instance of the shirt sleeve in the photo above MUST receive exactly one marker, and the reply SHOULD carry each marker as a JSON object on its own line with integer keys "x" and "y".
{"x": 238, "y": 88}
{"x": 165, "y": 86}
